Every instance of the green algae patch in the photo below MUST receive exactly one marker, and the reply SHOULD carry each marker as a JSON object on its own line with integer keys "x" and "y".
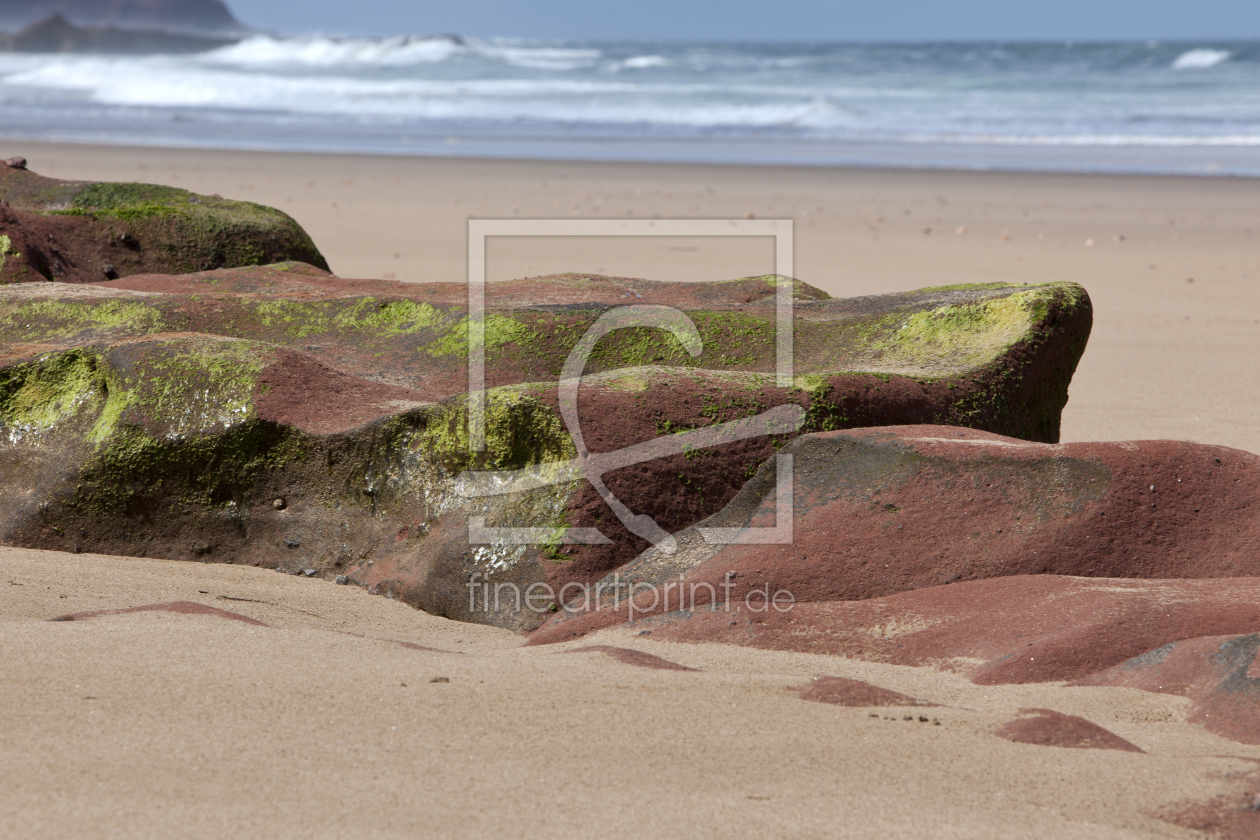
{"x": 137, "y": 473}
{"x": 961, "y": 336}
{"x": 115, "y": 197}
{"x": 371, "y": 318}
{"x": 6, "y": 244}
{"x": 800, "y": 290}
{"x": 388, "y": 319}
{"x": 973, "y": 287}
{"x": 178, "y": 422}
{"x": 38, "y": 396}
{"x": 499, "y": 331}
{"x": 43, "y": 320}
{"x": 729, "y": 340}
{"x": 542, "y": 342}
{"x": 184, "y": 232}
{"x": 521, "y": 431}
{"x": 180, "y": 387}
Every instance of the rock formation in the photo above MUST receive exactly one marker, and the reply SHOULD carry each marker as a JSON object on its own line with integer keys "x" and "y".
{"x": 881, "y": 511}
{"x": 284, "y": 417}
{"x": 80, "y": 232}
{"x": 55, "y": 34}
{"x": 171, "y": 15}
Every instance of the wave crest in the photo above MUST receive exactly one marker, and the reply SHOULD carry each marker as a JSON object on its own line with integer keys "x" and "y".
{"x": 1200, "y": 59}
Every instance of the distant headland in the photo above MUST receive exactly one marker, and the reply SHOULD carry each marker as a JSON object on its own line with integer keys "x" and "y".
{"x": 200, "y": 16}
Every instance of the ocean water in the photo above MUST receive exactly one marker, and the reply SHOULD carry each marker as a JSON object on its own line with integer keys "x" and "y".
{"x": 1148, "y": 106}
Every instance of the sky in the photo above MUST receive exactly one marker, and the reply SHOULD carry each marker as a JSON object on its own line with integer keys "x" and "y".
{"x": 783, "y": 20}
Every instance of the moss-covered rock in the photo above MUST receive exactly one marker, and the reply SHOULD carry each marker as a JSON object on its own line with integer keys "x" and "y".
{"x": 72, "y": 231}
{"x": 284, "y": 417}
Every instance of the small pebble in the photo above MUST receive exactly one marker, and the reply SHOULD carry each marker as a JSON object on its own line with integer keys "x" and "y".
{"x": 291, "y": 543}
{"x": 278, "y": 504}
{"x": 308, "y": 572}
{"x": 16, "y": 163}
{"x": 342, "y": 580}
{"x": 440, "y": 679}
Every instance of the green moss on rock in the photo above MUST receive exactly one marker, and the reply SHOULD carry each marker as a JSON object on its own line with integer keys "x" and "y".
{"x": 37, "y": 396}
{"x": 961, "y": 335}
{"x": 521, "y": 431}
{"x": 52, "y": 319}
{"x": 181, "y": 387}
{"x": 158, "y": 229}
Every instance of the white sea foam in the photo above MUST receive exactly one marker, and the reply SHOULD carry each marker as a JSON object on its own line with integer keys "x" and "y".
{"x": 1200, "y": 59}
{"x": 535, "y": 57}
{"x": 644, "y": 62}
{"x": 263, "y": 51}
{"x": 297, "y": 90}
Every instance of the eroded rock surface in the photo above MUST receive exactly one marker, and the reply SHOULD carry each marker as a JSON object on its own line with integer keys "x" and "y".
{"x": 881, "y": 511}
{"x": 1218, "y": 673}
{"x": 82, "y": 232}
{"x": 284, "y": 417}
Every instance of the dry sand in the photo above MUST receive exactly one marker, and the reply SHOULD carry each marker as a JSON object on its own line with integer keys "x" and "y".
{"x": 154, "y": 724}
{"x": 161, "y": 725}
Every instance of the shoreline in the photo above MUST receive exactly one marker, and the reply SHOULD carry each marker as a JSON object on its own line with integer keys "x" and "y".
{"x": 1156, "y": 159}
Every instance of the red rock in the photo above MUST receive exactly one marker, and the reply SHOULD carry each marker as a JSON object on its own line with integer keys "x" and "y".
{"x": 839, "y": 691}
{"x": 1219, "y": 673}
{"x": 637, "y": 658}
{"x": 165, "y": 414}
{"x": 881, "y": 511}
{"x": 181, "y": 607}
{"x": 1048, "y": 728}
{"x": 73, "y": 231}
{"x": 1019, "y": 629}
{"x": 1234, "y": 817}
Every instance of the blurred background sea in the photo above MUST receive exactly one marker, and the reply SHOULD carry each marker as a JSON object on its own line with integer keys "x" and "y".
{"x": 1114, "y": 107}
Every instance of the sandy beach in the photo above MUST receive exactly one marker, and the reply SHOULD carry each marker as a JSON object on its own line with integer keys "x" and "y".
{"x": 328, "y": 722}
{"x": 330, "y": 712}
